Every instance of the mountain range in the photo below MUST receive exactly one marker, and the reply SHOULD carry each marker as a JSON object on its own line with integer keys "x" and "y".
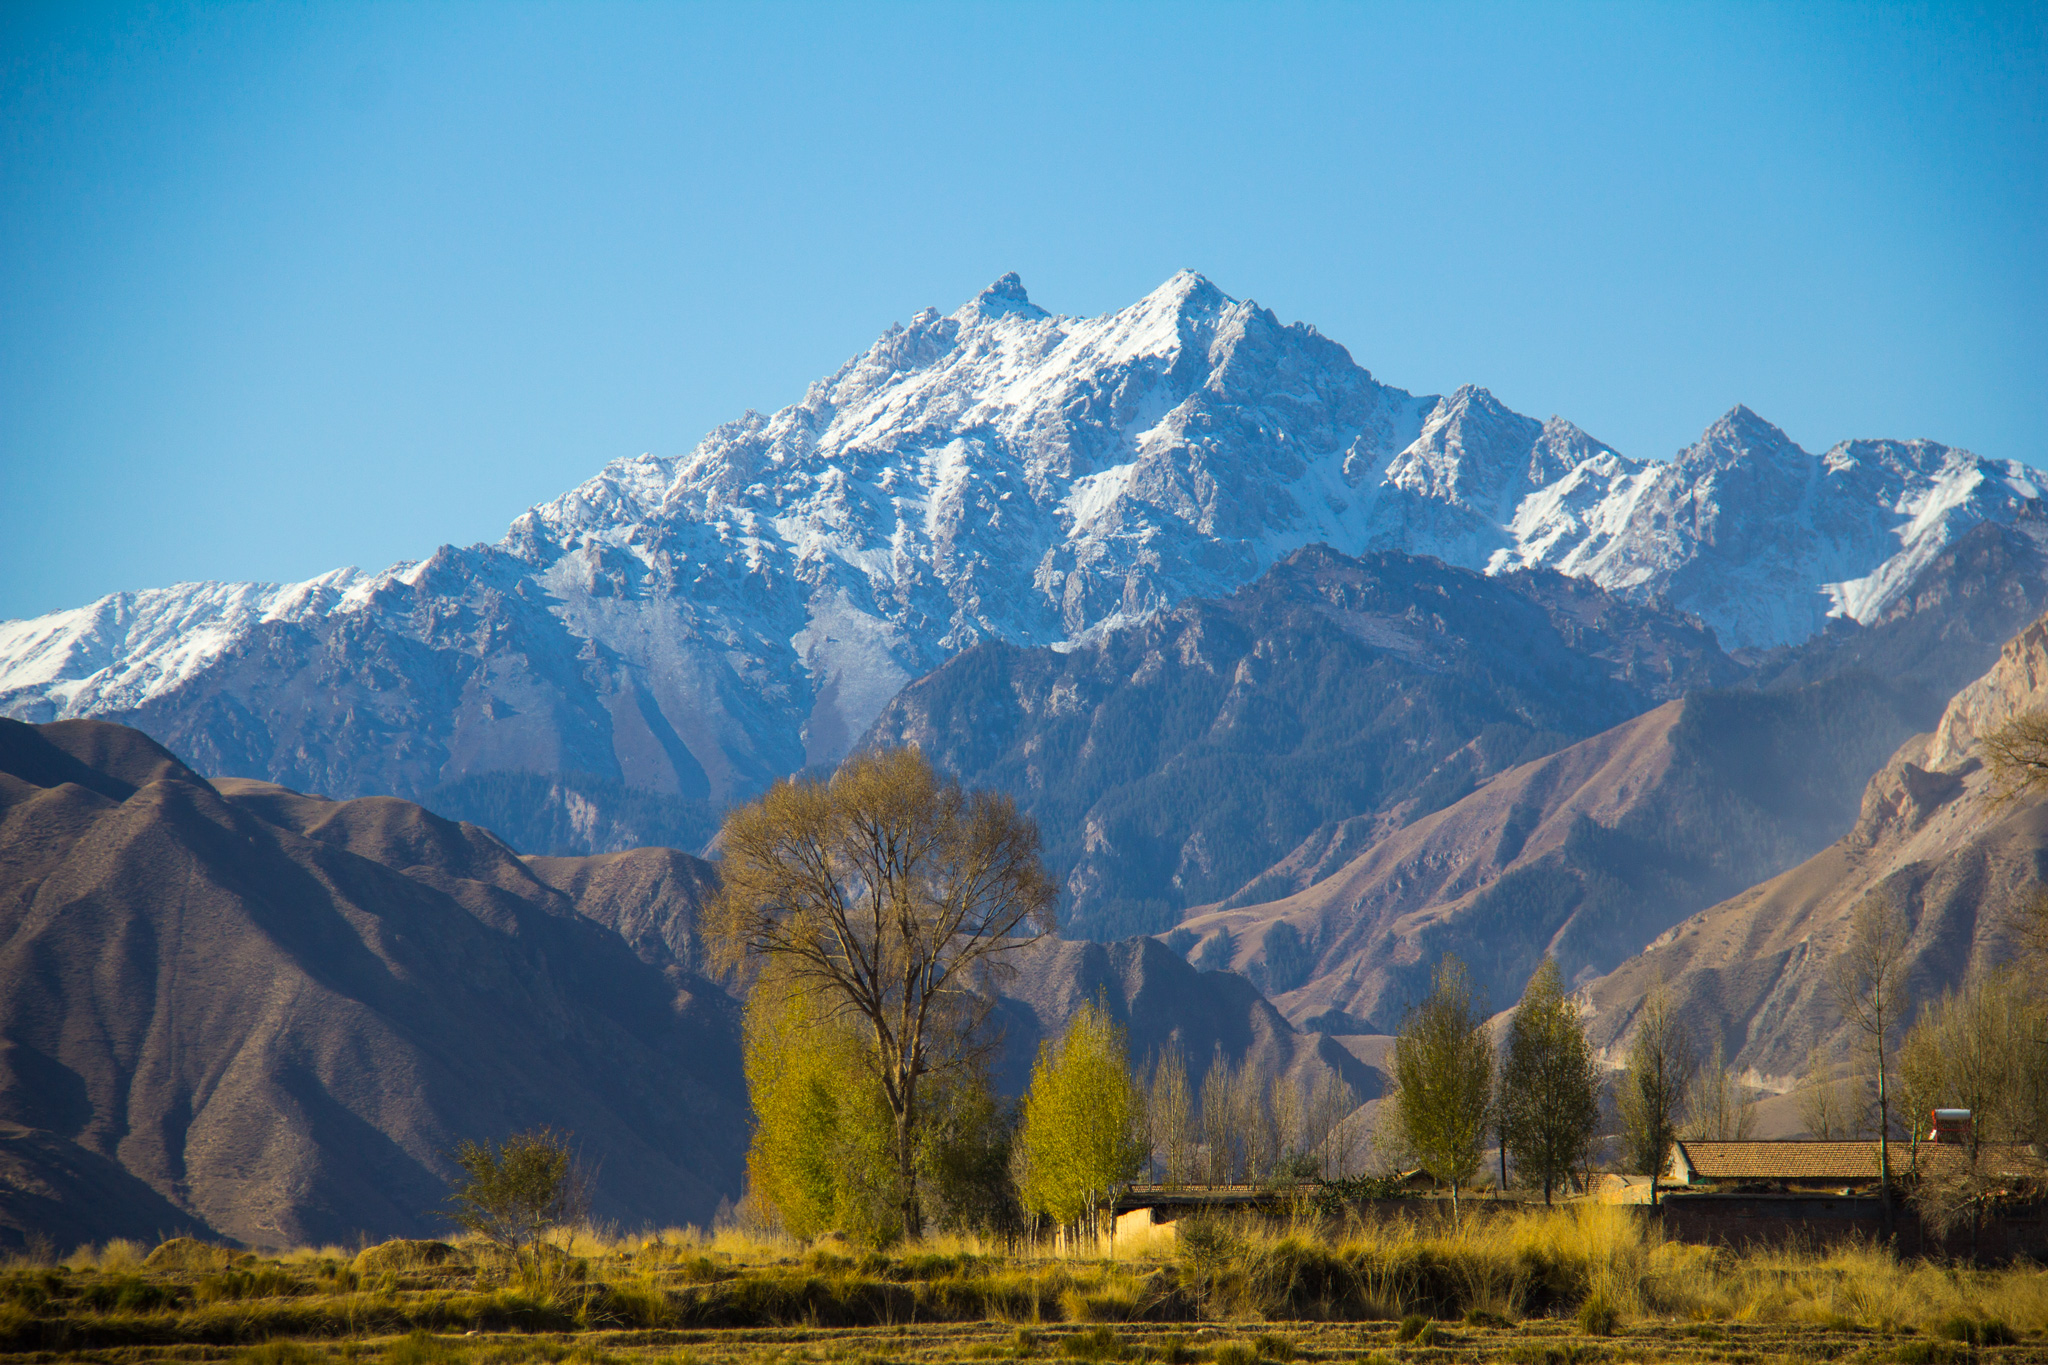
{"x": 1169, "y": 761}
{"x": 696, "y": 626}
{"x": 235, "y": 1010}
{"x": 1305, "y": 679}
{"x": 1590, "y": 852}
{"x": 1931, "y": 836}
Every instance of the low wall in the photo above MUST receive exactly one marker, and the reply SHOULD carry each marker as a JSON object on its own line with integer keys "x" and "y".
{"x": 1820, "y": 1221}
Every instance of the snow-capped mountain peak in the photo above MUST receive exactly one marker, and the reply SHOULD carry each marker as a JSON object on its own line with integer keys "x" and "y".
{"x": 704, "y": 622}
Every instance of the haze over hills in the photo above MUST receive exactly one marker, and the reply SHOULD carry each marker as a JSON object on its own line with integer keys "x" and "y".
{"x": 230, "y": 1008}
{"x": 1591, "y": 852}
{"x": 696, "y": 626}
{"x": 1751, "y": 971}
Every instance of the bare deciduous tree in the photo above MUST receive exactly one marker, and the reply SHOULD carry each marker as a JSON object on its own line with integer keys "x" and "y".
{"x": 1331, "y": 1109}
{"x": 1868, "y": 991}
{"x": 893, "y": 894}
{"x": 1719, "y": 1107}
{"x": 2017, "y": 755}
{"x": 1976, "y": 1049}
{"x": 1218, "y": 1115}
{"x": 1171, "y": 1114}
{"x": 1830, "y": 1105}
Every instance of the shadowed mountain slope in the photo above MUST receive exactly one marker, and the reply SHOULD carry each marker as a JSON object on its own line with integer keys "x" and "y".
{"x": 277, "y": 1013}
{"x": 1587, "y": 854}
{"x": 1752, "y": 970}
{"x": 1169, "y": 762}
{"x": 237, "y": 1010}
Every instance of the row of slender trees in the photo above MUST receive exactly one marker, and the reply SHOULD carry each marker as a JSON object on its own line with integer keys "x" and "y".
{"x": 875, "y": 912}
{"x": 1538, "y": 1094}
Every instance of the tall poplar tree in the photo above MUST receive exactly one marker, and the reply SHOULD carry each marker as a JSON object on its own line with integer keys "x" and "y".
{"x": 1082, "y": 1135}
{"x": 892, "y": 894}
{"x": 1443, "y": 1071}
{"x": 1550, "y": 1088}
{"x": 1661, "y": 1064}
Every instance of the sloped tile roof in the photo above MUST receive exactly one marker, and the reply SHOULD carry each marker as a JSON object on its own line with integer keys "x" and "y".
{"x": 1807, "y": 1159}
{"x": 1798, "y": 1159}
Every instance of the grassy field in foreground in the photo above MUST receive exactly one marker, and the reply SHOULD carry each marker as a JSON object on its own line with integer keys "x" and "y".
{"x": 1586, "y": 1284}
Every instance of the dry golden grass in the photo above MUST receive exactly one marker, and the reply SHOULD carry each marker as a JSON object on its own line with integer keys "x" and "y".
{"x": 1589, "y": 1282}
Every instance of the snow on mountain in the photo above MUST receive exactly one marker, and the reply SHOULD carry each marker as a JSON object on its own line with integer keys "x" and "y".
{"x": 703, "y": 624}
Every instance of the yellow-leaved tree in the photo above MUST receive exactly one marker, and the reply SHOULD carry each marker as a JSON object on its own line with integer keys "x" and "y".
{"x": 885, "y": 899}
{"x": 822, "y": 1153}
{"x": 1082, "y": 1138}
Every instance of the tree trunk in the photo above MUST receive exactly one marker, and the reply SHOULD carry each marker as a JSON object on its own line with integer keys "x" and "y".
{"x": 906, "y": 1162}
{"x": 1884, "y": 1152}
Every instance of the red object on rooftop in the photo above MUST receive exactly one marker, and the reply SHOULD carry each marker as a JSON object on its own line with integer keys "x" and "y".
{"x": 1950, "y": 1125}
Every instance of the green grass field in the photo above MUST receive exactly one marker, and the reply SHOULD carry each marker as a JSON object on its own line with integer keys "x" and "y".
{"x": 1574, "y": 1285}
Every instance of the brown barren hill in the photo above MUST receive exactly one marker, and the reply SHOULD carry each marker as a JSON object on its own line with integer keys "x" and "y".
{"x": 274, "y": 1014}
{"x": 1586, "y": 854}
{"x": 1752, "y": 970}
{"x": 651, "y": 897}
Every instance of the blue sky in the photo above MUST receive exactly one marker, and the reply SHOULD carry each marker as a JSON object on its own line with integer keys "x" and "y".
{"x": 284, "y": 287}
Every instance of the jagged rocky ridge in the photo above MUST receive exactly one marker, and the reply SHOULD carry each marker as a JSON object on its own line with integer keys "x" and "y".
{"x": 698, "y": 625}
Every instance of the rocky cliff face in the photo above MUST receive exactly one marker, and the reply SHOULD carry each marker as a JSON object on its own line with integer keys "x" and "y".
{"x": 696, "y": 626}
{"x": 1929, "y": 836}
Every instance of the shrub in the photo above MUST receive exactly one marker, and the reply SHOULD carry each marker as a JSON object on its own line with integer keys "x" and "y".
{"x": 268, "y": 1282}
{"x": 1976, "y": 1331}
{"x": 1174, "y": 1350}
{"x": 1236, "y": 1353}
{"x": 187, "y": 1254}
{"x": 1480, "y": 1317}
{"x": 422, "y": 1348}
{"x": 636, "y": 1305}
{"x": 1101, "y": 1343}
{"x": 1206, "y": 1245}
{"x": 1113, "y": 1302}
{"x": 1933, "y": 1353}
{"x": 1412, "y": 1327}
{"x": 1598, "y": 1317}
{"x": 1552, "y": 1353}
{"x": 127, "y": 1294}
{"x": 31, "y": 1289}
{"x": 513, "y": 1192}
{"x": 1270, "y": 1347}
{"x": 17, "y": 1324}
{"x": 403, "y": 1253}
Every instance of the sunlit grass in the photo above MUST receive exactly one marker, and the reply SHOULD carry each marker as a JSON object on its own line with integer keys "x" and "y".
{"x": 1571, "y": 1283}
